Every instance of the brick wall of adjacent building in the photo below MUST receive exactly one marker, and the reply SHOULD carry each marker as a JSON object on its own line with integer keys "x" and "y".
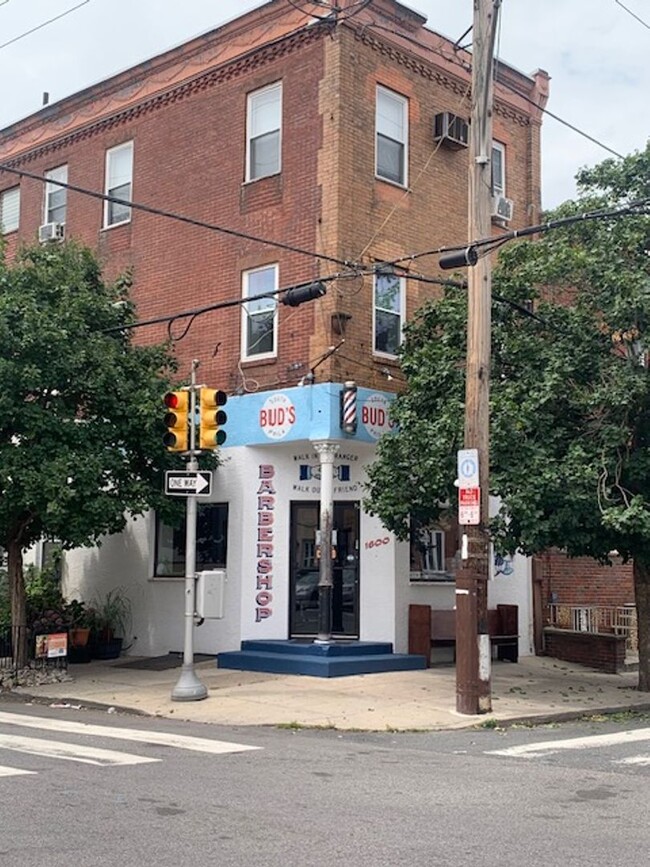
{"x": 582, "y": 581}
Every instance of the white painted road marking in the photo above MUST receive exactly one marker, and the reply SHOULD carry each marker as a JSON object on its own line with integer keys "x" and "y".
{"x": 530, "y": 751}
{"x": 633, "y": 760}
{"x": 165, "y": 739}
{"x": 70, "y": 752}
{"x": 14, "y": 772}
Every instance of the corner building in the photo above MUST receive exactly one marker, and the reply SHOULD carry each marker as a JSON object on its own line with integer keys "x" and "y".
{"x": 340, "y": 139}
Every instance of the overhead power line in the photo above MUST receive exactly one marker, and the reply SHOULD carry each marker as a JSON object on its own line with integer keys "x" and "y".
{"x": 633, "y": 14}
{"x": 171, "y": 215}
{"x": 44, "y": 24}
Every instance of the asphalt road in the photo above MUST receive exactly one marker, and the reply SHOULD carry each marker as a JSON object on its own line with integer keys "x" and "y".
{"x": 91, "y": 788}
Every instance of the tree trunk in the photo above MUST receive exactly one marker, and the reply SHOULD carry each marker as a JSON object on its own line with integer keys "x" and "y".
{"x": 642, "y": 594}
{"x": 18, "y": 602}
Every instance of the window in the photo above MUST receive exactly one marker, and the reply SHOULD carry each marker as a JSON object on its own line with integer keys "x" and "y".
{"x": 428, "y": 554}
{"x": 211, "y": 542}
{"x": 388, "y": 310}
{"x": 9, "y": 210}
{"x": 259, "y": 315}
{"x": 264, "y": 125}
{"x": 55, "y": 196}
{"x": 392, "y": 136}
{"x": 498, "y": 169}
{"x": 119, "y": 182}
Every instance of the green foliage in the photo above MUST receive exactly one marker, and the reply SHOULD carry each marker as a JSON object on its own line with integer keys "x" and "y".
{"x": 79, "y": 408}
{"x": 112, "y": 613}
{"x": 569, "y": 400}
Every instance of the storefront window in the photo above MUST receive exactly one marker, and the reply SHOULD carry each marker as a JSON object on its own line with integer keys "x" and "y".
{"x": 211, "y": 542}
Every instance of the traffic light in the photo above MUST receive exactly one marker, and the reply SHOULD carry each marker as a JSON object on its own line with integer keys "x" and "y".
{"x": 212, "y": 418}
{"x": 176, "y": 438}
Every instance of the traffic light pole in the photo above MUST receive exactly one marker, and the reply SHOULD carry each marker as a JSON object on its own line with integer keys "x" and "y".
{"x": 188, "y": 686}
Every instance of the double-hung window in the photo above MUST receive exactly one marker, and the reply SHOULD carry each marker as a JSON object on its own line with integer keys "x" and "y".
{"x": 211, "y": 542}
{"x": 389, "y": 299}
{"x": 391, "y": 124}
{"x": 9, "y": 210}
{"x": 498, "y": 169}
{"x": 56, "y": 197}
{"x": 264, "y": 132}
{"x": 259, "y": 313}
{"x": 119, "y": 183}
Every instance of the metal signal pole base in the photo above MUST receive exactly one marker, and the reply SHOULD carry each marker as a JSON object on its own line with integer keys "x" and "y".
{"x": 188, "y": 686}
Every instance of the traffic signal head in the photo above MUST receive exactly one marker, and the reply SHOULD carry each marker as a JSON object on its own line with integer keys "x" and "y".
{"x": 212, "y": 418}
{"x": 176, "y": 437}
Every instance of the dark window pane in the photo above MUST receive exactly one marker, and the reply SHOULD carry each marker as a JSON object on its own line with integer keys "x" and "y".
{"x": 265, "y": 155}
{"x": 211, "y": 542}
{"x": 387, "y": 332}
{"x": 119, "y": 213}
{"x": 260, "y": 333}
{"x": 390, "y": 159}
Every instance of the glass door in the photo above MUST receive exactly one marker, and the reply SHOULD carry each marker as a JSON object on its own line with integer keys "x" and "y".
{"x": 303, "y": 620}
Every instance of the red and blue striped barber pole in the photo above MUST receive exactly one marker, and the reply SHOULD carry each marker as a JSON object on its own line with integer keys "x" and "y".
{"x": 349, "y": 408}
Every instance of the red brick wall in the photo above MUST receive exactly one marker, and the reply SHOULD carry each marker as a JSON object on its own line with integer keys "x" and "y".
{"x": 582, "y": 581}
{"x": 604, "y": 652}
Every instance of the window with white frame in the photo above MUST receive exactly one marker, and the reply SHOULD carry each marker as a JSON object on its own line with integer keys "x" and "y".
{"x": 9, "y": 210}
{"x": 56, "y": 197}
{"x": 498, "y": 169}
{"x": 427, "y": 553}
{"x": 391, "y": 123}
{"x": 264, "y": 128}
{"x": 119, "y": 183}
{"x": 259, "y": 314}
{"x": 388, "y": 312}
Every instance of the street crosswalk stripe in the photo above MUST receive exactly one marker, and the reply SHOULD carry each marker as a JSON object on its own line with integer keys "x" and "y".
{"x": 71, "y": 752}
{"x": 590, "y": 741}
{"x": 14, "y": 772}
{"x": 633, "y": 760}
{"x": 182, "y": 742}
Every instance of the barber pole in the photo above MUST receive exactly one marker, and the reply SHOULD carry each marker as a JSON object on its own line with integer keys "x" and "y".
{"x": 349, "y": 408}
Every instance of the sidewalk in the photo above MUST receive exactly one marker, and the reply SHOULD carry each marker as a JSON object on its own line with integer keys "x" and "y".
{"x": 537, "y": 689}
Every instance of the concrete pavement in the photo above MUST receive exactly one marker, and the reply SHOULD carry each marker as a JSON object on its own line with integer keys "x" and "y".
{"x": 536, "y": 689}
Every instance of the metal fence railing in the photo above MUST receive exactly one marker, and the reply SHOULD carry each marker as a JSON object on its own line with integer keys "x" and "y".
{"x": 620, "y": 620}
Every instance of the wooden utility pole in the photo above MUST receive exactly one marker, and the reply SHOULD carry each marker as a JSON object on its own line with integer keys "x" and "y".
{"x": 473, "y": 654}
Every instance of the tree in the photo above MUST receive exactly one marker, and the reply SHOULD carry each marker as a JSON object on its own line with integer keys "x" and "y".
{"x": 80, "y": 408}
{"x": 570, "y": 392}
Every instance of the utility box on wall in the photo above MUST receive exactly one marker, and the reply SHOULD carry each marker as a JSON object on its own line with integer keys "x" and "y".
{"x": 210, "y": 592}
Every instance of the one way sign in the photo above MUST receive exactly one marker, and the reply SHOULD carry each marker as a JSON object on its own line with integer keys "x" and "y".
{"x": 184, "y": 483}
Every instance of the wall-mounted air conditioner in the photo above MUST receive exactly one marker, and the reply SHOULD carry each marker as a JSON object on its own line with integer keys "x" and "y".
{"x": 450, "y": 130}
{"x": 502, "y": 208}
{"x": 51, "y": 232}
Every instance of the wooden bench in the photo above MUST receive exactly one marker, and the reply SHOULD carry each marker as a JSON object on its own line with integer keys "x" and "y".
{"x": 431, "y": 627}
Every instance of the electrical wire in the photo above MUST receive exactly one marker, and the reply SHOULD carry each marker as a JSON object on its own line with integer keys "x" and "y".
{"x": 172, "y": 215}
{"x": 41, "y": 26}
{"x": 629, "y": 11}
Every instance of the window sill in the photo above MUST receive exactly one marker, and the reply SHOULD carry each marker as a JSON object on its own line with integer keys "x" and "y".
{"x": 247, "y": 183}
{"x": 262, "y": 360}
{"x": 115, "y": 225}
{"x": 431, "y": 578}
{"x": 391, "y": 183}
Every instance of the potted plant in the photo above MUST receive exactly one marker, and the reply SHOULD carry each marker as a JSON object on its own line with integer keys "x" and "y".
{"x": 111, "y": 623}
{"x": 80, "y": 621}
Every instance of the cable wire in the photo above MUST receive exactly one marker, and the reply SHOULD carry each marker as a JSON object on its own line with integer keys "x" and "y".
{"x": 40, "y": 26}
{"x": 629, "y": 11}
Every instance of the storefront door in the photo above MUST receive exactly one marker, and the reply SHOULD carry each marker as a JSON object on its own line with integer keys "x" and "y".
{"x": 303, "y": 620}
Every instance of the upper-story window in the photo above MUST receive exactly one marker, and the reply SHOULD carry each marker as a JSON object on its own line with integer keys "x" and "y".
{"x": 259, "y": 315}
{"x": 391, "y": 124}
{"x": 498, "y": 169}
{"x": 9, "y": 210}
{"x": 56, "y": 197}
{"x": 119, "y": 183}
{"x": 388, "y": 312}
{"x": 264, "y": 128}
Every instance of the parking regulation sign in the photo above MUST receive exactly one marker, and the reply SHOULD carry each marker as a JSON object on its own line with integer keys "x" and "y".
{"x": 469, "y": 506}
{"x": 468, "y": 468}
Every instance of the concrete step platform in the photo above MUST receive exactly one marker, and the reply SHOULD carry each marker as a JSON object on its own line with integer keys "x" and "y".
{"x": 337, "y": 659}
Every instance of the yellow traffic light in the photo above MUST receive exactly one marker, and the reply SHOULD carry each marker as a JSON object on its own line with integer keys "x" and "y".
{"x": 176, "y": 438}
{"x": 212, "y": 418}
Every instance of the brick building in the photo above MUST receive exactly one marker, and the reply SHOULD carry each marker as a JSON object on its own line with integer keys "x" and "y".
{"x": 298, "y": 147}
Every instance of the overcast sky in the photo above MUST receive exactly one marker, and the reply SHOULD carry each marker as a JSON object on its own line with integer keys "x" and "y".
{"x": 597, "y": 53}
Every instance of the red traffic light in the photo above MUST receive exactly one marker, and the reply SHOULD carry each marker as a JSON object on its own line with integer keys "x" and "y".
{"x": 173, "y": 400}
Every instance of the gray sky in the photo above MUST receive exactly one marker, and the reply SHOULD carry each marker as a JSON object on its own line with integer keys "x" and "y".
{"x": 597, "y": 53}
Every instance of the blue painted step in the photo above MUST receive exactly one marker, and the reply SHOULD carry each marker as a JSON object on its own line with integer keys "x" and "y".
{"x": 319, "y": 660}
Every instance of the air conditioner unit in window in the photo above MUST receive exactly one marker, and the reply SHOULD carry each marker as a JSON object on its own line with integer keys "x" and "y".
{"x": 450, "y": 130}
{"x": 51, "y": 232}
{"x": 502, "y": 208}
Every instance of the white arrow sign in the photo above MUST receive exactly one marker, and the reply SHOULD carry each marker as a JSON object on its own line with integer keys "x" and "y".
{"x": 183, "y": 484}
